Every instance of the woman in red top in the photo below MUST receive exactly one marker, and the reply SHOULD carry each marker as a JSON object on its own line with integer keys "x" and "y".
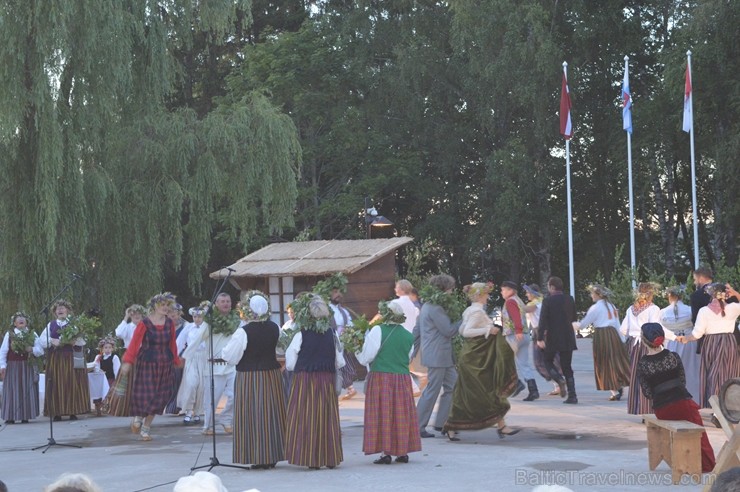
{"x": 153, "y": 354}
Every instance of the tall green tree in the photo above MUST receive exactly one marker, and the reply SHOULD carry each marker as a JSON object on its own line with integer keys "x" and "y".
{"x": 104, "y": 175}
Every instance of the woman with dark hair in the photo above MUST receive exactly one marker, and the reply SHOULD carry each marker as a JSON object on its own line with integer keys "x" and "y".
{"x": 663, "y": 381}
{"x": 716, "y": 322}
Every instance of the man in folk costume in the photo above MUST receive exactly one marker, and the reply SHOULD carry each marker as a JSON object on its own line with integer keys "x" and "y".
{"x": 516, "y": 331}
{"x": 223, "y": 322}
{"x": 342, "y": 319}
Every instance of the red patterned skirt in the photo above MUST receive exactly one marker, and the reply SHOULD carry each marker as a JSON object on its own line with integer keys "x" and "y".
{"x": 153, "y": 387}
{"x": 391, "y": 423}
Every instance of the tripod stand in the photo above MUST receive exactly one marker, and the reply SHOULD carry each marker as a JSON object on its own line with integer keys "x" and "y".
{"x": 50, "y": 380}
{"x": 214, "y": 462}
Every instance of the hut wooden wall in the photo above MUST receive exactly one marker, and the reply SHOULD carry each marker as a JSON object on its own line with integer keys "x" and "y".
{"x": 373, "y": 283}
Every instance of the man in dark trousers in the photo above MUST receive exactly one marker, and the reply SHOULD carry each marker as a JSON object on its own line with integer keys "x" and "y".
{"x": 557, "y": 337}
{"x": 702, "y": 277}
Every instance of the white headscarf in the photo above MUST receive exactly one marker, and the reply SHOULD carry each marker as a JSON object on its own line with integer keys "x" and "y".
{"x": 258, "y": 305}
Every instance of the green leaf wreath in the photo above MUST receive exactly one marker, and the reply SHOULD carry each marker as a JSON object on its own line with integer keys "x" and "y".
{"x": 453, "y": 303}
{"x": 81, "y": 326}
{"x": 325, "y": 287}
{"x": 223, "y": 324}
{"x": 353, "y": 337}
{"x": 318, "y": 320}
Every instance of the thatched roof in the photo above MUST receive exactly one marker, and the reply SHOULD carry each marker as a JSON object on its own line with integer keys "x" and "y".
{"x": 313, "y": 258}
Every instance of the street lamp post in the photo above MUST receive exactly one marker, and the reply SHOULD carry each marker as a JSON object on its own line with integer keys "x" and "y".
{"x": 372, "y": 219}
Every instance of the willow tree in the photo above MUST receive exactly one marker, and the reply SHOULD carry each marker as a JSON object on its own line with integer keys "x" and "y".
{"x": 101, "y": 176}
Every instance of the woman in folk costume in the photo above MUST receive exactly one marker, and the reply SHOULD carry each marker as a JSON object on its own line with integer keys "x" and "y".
{"x": 20, "y": 396}
{"x": 153, "y": 356}
{"x": 716, "y": 322}
{"x": 259, "y": 399}
{"x": 391, "y": 423}
{"x": 611, "y": 360}
{"x": 486, "y": 371}
{"x": 642, "y": 311}
{"x": 67, "y": 388}
{"x": 676, "y": 318}
{"x": 195, "y": 374}
{"x": 663, "y": 381}
{"x": 313, "y": 435}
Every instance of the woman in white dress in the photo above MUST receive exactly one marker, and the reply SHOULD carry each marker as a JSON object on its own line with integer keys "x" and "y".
{"x": 676, "y": 318}
{"x": 192, "y": 388}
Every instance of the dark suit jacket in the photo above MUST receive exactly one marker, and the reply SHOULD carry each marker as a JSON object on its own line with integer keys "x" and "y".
{"x": 556, "y": 323}
{"x": 699, "y": 299}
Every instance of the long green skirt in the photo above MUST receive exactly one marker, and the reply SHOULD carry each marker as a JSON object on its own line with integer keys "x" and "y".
{"x": 486, "y": 377}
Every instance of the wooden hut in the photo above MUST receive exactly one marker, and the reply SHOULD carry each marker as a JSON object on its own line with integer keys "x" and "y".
{"x": 283, "y": 270}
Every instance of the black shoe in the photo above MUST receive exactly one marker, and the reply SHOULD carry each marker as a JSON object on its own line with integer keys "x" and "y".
{"x": 519, "y": 388}
{"x": 10, "y": 421}
{"x": 616, "y": 397}
{"x": 451, "y": 435}
{"x": 384, "y": 459}
{"x": 425, "y": 434}
{"x": 24, "y": 421}
{"x": 402, "y": 459}
{"x": 534, "y": 393}
{"x": 511, "y": 432}
{"x": 57, "y": 418}
{"x": 438, "y": 429}
{"x": 73, "y": 417}
{"x": 314, "y": 467}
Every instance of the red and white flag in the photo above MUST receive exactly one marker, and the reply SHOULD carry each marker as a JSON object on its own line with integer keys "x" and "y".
{"x": 688, "y": 119}
{"x": 566, "y": 125}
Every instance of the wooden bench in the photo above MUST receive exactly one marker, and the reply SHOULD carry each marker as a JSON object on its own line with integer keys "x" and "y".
{"x": 678, "y": 443}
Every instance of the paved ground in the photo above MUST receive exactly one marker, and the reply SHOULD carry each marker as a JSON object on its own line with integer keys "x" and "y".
{"x": 592, "y": 446}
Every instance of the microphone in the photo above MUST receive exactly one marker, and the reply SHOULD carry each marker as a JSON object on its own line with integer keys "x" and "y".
{"x": 74, "y": 276}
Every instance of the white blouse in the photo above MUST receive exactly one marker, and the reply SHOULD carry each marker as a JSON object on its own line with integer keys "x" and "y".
{"x": 709, "y": 323}
{"x": 291, "y": 353}
{"x": 233, "y": 352}
{"x": 676, "y": 317}
{"x": 601, "y": 314}
{"x": 5, "y": 348}
{"x": 632, "y": 325}
{"x": 125, "y": 331}
{"x": 475, "y": 322}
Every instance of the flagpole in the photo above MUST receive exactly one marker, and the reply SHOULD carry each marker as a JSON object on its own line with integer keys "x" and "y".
{"x": 570, "y": 211}
{"x": 633, "y": 262}
{"x": 693, "y": 166}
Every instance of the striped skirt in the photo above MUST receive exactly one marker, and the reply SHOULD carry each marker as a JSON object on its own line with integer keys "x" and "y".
{"x": 637, "y": 404}
{"x": 259, "y": 417}
{"x": 118, "y": 401}
{"x": 313, "y": 436}
{"x": 153, "y": 389}
{"x": 391, "y": 423}
{"x": 611, "y": 362}
{"x": 67, "y": 388}
{"x": 350, "y": 370}
{"x": 20, "y": 392}
{"x": 719, "y": 362}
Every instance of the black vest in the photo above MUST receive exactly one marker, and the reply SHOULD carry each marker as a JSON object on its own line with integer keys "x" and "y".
{"x": 317, "y": 352}
{"x": 262, "y": 337}
{"x": 106, "y": 365}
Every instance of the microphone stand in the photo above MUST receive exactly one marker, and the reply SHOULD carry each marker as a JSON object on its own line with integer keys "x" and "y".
{"x": 214, "y": 459}
{"x": 49, "y": 381}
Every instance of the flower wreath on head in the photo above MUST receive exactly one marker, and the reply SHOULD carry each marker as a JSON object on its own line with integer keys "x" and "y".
{"x": 312, "y": 313}
{"x": 108, "y": 340}
{"x": 390, "y": 316}
{"x": 138, "y": 309}
{"x": 599, "y": 290}
{"x": 20, "y": 314}
{"x": 245, "y": 311}
{"x": 324, "y": 288}
{"x": 478, "y": 288}
{"x": 651, "y": 289}
{"x": 676, "y": 291}
{"x": 717, "y": 291}
{"x": 161, "y": 298}
{"x": 61, "y": 302}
